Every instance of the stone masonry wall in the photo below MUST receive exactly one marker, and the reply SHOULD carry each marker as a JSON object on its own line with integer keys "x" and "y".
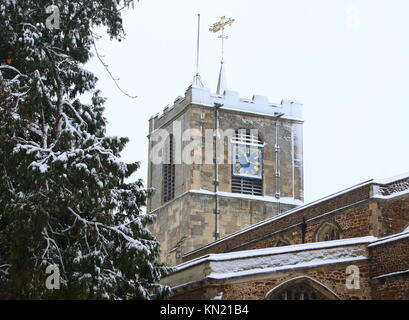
{"x": 390, "y": 258}
{"x": 187, "y": 223}
{"x": 394, "y": 214}
{"x": 353, "y": 222}
{"x": 331, "y": 276}
{"x": 350, "y": 210}
{"x": 290, "y": 143}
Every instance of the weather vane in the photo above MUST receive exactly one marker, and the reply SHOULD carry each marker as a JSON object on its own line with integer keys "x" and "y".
{"x": 219, "y": 26}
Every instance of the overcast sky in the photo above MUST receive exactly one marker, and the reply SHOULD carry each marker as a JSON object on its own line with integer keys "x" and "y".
{"x": 345, "y": 60}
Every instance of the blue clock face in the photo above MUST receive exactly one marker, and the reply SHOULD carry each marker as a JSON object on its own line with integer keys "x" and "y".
{"x": 247, "y": 161}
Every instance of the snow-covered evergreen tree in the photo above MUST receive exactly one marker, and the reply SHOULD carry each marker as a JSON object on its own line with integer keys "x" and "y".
{"x": 64, "y": 199}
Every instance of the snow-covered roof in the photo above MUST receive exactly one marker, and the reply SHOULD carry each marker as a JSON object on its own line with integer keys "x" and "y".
{"x": 270, "y": 260}
{"x": 392, "y": 238}
{"x": 277, "y": 250}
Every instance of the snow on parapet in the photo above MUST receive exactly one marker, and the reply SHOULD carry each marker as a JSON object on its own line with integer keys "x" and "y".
{"x": 258, "y": 104}
{"x": 392, "y": 179}
{"x": 392, "y": 238}
{"x": 393, "y": 187}
{"x": 241, "y": 263}
{"x": 231, "y": 100}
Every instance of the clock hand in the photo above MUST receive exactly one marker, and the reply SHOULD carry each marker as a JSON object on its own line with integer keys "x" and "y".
{"x": 245, "y": 155}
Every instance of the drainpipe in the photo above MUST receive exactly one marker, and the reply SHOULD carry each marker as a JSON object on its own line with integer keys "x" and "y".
{"x": 277, "y": 156}
{"x": 216, "y": 210}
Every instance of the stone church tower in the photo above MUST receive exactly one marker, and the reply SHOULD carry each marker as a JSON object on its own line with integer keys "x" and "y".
{"x": 219, "y": 163}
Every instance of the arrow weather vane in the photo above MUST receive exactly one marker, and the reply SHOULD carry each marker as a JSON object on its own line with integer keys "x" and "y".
{"x": 219, "y": 26}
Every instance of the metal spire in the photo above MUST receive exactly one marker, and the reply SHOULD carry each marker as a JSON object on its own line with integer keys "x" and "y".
{"x": 222, "y": 82}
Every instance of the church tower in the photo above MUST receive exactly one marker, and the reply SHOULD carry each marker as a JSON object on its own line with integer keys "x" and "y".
{"x": 257, "y": 173}
{"x": 219, "y": 163}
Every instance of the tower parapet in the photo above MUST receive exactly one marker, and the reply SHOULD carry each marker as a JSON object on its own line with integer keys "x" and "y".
{"x": 231, "y": 100}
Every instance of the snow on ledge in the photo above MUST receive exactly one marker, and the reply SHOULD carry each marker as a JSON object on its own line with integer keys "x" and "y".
{"x": 276, "y": 251}
{"x": 284, "y": 200}
{"x": 391, "y": 274}
{"x": 395, "y": 237}
{"x": 311, "y": 264}
{"x": 392, "y": 179}
{"x": 263, "y": 262}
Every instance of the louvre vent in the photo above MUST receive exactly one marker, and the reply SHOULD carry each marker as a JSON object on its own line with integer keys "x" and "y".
{"x": 247, "y": 186}
{"x": 247, "y": 136}
{"x": 168, "y": 170}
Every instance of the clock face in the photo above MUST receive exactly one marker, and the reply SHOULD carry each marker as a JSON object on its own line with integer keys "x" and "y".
{"x": 247, "y": 161}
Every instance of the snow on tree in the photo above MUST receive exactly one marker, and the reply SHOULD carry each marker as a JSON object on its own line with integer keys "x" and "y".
{"x": 64, "y": 195}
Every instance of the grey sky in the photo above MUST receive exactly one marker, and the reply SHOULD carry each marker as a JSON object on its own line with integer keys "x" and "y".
{"x": 346, "y": 61}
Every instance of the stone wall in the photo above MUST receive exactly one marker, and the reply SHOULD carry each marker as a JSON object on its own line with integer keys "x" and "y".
{"x": 201, "y": 176}
{"x": 331, "y": 276}
{"x": 187, "y": 223}
{"x": 394, "y": 217}
{"x": 350, "y": 210}
{"x": 390, "y": 269}
{"x": 356, "y": 212}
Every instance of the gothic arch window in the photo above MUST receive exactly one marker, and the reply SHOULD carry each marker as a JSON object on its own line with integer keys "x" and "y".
{"x": 168, "y": 170}
{"x": 301, "y": 288}
{"x": 247, "y": 162}
{"x": 328, "y": 231}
